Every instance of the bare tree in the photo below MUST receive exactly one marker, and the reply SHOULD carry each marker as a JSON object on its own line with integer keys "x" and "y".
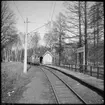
{"x": 73, "y": 17}
{"x": 35, "y": 40}
{"x": 60, "y": 26}
{"x": 96, "y": 23}
{"x": 13, "y": 49}
{"x": 50, "y": 39}
{"x": 75, "y": 22}
{"x": 7, "y": 24}
{"x": 55, "y": 36}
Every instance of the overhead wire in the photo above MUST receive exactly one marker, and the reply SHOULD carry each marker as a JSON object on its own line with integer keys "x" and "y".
{"x": 52, "y": 16}
{"x": 46, "y": 23}
{"x": 50, "y": 10}
{"x": 39, "y": 27}
{"x": 42, "y": 25}
{"x": 22, "y": 19}
{"x": 18, "y": 10}
{"x": 53, "y": 11}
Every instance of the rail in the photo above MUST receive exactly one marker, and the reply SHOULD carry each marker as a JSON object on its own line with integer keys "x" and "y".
{"x": 68, "y": 86}
{"x": 53, "y": 89}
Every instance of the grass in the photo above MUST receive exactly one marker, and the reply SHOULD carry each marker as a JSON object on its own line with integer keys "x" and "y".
{"x": 13, "y": 79}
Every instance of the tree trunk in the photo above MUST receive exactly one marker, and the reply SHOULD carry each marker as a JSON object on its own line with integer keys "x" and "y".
{"x": 79, "y": 13}
{"x": 86, "y": 50}
{"x": 80, "y": 44}
{"x": 94, "y": 37}
{"x": 97, "y": 31}
{"x": 59, "y": 49}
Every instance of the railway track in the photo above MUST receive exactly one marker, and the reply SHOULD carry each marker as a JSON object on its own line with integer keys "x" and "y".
{"x": 62, "y": 91}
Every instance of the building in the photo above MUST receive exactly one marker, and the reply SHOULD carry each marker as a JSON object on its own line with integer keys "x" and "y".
{"x": 47, "y": 58}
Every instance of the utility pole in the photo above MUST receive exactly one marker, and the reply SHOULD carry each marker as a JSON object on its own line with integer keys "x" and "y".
{"x": 25, "y": 48}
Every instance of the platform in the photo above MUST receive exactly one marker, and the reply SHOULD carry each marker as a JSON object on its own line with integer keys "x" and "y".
{"x": 88, "y": 80}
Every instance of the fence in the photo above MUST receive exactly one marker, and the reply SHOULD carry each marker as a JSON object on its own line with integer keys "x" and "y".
{"x": 94, "y": 71}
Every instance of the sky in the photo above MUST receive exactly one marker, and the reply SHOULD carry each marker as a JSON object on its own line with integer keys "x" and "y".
{"x": 38, "y": 12}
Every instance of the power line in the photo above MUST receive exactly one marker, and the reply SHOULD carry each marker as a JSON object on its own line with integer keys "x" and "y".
{"x": 50, "y": 10}
{"x": 46, "y": 23}
{"x": 53, "y": 10}
{"x": 39, "y": 27}
{"x": 52, "y": 16}
{"x": 18, "y": 10}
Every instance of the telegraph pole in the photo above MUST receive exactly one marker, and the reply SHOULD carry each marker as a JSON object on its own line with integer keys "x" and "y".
{"x": 25, "y": 48}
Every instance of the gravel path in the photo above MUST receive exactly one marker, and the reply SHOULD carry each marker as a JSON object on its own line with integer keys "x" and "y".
{"x": 38, "y": 90}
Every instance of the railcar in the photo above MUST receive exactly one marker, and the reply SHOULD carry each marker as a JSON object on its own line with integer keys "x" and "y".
{"x": 34, "y": 59}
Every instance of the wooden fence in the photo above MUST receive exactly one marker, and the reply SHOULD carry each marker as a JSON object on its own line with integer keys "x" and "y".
{"x": 94, "y": 71}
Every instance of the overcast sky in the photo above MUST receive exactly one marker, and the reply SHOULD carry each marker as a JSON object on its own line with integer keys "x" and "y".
{"x": 36, "y": 11}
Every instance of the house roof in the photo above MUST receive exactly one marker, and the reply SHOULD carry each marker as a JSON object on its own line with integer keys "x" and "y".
{"x": 47, "y": 52}
{"x": 41, "y": 52}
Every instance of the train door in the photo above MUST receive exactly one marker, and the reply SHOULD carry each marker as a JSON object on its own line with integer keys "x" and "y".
{"x": 41, "y": 60}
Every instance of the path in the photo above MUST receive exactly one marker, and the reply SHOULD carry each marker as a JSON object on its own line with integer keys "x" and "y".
{"x": 38, "y": 91}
